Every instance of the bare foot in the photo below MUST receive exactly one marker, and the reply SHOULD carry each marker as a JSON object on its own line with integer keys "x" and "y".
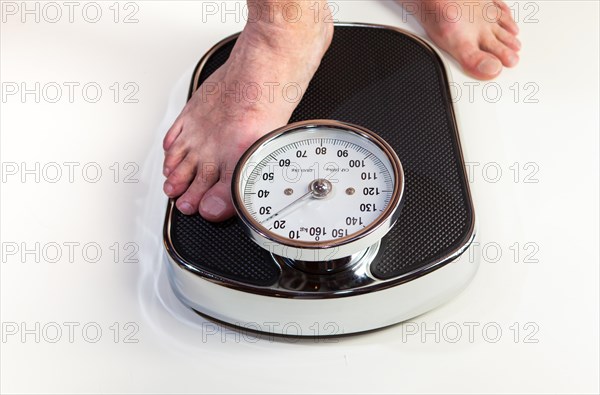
{"x": 480, "y": 35}
{"x": 253, "y": 93}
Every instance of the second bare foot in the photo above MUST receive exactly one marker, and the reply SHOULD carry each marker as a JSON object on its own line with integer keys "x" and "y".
{"x": 480, "y": 35}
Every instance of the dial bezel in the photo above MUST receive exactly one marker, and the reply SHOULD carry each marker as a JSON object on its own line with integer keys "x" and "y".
{"x": 345, "y": 246}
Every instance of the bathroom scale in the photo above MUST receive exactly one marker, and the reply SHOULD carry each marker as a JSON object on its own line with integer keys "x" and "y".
{"x": 354, "y": 216}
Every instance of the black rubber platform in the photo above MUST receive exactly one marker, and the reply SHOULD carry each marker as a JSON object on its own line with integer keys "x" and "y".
{"x": 395, "y": 86}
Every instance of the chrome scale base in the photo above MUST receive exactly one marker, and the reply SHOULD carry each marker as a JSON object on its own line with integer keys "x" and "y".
{"x": 400, "y": 89}
{"x": 347, "y": 301}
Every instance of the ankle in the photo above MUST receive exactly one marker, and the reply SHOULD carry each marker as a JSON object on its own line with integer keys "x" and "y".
{"x": 289, "y": 27}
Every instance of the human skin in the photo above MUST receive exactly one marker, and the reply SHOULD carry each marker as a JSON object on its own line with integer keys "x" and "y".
{"x": 219, "y": 123}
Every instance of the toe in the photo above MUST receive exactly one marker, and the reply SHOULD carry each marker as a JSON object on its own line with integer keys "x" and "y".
{"x": 180, "y": 178}
{"x": 173, "y": 158}
{"x": 502, "y": 5}
{"x": 189, "y": 202}
{"x": 506, "y": 20}
{"x": 172, "y": 134}
{"x": 507, "y": 38}
{"x": 216, "y": 204}
{"x": 479, "y": 64}
{"x": 507, "y": 56}
{"x": 206, "y": 175}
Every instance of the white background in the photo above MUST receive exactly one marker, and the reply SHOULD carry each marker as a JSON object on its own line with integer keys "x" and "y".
{"x": 548, "y": 291}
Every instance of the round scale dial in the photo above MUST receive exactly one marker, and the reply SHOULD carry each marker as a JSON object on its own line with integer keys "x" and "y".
{"x": 315, "y": 190}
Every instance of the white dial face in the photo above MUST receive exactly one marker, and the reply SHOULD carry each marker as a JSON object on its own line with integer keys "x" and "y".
{"x": 317, "y": 185}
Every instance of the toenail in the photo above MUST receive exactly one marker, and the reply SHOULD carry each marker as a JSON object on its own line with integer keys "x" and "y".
{"x": 518, "y": 42}
{"x": 490, "y": 66}
{"x": 213, "y": 206}
{"x": 168, "y": 189}
{"x": 166, "y": 171}
{"x": 512, "y": 60}
{"x": 185, "y": 208}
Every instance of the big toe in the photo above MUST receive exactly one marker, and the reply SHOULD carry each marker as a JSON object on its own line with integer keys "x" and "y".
{"x": 478, "y": 63}
{"x": 216, "y": 205}
{"x": 500, "y": 51}
{"x": 489, "y": 66}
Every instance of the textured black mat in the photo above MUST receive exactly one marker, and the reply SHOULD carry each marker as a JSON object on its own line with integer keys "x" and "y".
{"x": 395, "y": 86}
